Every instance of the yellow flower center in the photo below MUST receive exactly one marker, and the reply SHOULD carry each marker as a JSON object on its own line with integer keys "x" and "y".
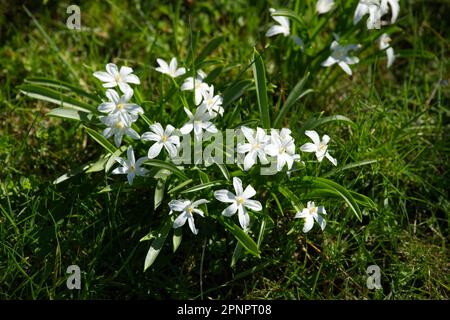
{"x": 282, "y": 150}
{"x": 117, "y": 77}
{"x": 241, "y": 200}
{"x": 132, "y": 167}
{"x": 256, "y": 146}
{"x": 164, "y": 138}
{"x": 119, "y": 125}
{"x": 313, "y": 210}
{"x": 322, "y": 147}
{"x": 190, "y": 209}
{"x": 120, "y": 106}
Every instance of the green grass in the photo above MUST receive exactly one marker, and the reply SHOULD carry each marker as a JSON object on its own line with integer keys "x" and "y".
{"x": 401, "y": 119}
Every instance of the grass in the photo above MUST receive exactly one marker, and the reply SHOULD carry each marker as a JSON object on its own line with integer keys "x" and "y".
{"x": 401, "y": 120}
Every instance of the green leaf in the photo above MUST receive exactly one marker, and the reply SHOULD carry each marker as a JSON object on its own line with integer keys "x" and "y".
{"x": 241, "y": 236}
{"x": 101, "y": 140}
{"x": 166, "y": 165}
{"x": 71, "y": 114}
{"x": 333, "y": 186}
{"x": 296, "y": 94}
{"x": 204, "y": 186}
{"x": 180, "y": 186}
{"x": 261, "y": 89}
{"x": 349, "y": 166}
{"x": 50, "y": 95}
{"x": 288, "y": 194}
{"x": 235, "y": 91}
{"x": 208, "y": 49}
{"x": 313, "y": 123}
{"x": 99, "y": 165}
{"x": 236, "y": 254}
{"x": 161, "y": 176}
{"x": 157, "y": 243}
{"x": 113, "y": 157}
{"x": 72, "y": 173}
{"x": 62, "y": 85}
{"x": 177, "y": 237}
{"x": 224, "y": 171}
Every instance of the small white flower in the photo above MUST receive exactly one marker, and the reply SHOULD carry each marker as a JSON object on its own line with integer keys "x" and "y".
{"x": 117, "y": 127}
{"x": 323, "y": 6}
{"x": 162, "y": 138}
{"x": 319, "y": 147}
{"x": 395, "y": 8}
{"x": 112, "y": 77}
{"x": 376, "y": 9}
{"x": 282, "y": 147}
{"x": 239, "y": 202}
{"x": 340, "y": 56}
{"x": 131, "y": 167}
{"x": 281, "y": 28}
{"x": 187, "y": 209}
{"x": 384, "y": 44}
{"x": 197, "y": 85}
{"x": 198, "y": 122}
{"x": 310, "y": 214}
{"x": 255, "y": 146}
{"x": 170, "y": 69}
{"x": 119, "y": 106}
{"x": 212, "y": 102}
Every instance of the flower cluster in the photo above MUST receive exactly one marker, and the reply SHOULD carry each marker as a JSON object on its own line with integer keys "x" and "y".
{"x": 278, "y": 146}
{"x": 340, "y": 53}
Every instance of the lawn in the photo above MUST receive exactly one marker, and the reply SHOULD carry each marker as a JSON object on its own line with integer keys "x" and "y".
{"x": 389, "y": 133}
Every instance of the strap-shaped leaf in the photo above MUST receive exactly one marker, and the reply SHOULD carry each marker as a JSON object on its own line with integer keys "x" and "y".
{"x": 101, "y": 140}
{"x": 259, "y": 75}
{"x": 52, "y": 96}
{"x": 157, "y": 244}
{"x": 247, "y": 242}
{"x": 71, "y": 114}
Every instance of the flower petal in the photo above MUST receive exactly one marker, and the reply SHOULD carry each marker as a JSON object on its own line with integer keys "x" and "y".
{"x": 155, "y": 150}
{"x": 230, "y": 210}
{"x": 224, "y": 195}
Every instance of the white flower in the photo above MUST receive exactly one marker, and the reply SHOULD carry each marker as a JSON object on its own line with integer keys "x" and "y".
{"x": 212, "y": 102}
{"x": 112, "y": 77}
{"x": 282, "y": 147}
{"x": 310, "y": 214}
{"x": 323, "y": 6}
{"x": 119, "y": 106}
{"x": 198, "y": 122}
{"x": 171, "y": 69}
{"x": 162, "y": 138}
{"x": 340, "y": 56}
{"x": 187, "y": 208}
{"x": 255, "y": 146}
{"x": 130, "y": 167}
{"x": 319, "y": 147}
{"x": 395, "y": 8}
{"x": 376, "y": 9}
{"x": 282, "y": 27}
{"x": 197, "y": 85}
{"x": 239, "y": 202}
{"x": 117, "y": 127}
{"x": 385, "y": 44}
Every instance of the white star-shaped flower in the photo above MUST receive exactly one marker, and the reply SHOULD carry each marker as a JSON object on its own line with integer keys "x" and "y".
{"x": 198, "y": 122}
{"x": 311, "y": 213}
{"x": 112, "y": 77}
{"x": 170, "y": 69}
{"x": 323, "y": 6}
{"x": 340, "y": 56}
{"x": 118, "y": 127}
{"x": 187, "y": 209}
{"x": 212, "y": 102}
{"x": 197, "y": 85}
{"x": 319, "y": 147}
{"x": 282, "y": 147}
{"x": 255, "y": 146}
{"x": 162, "y": 138}
{"x": 239, "y": 202}
{"x": 130, "y": 167}
{"x": 128, "y": 112}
